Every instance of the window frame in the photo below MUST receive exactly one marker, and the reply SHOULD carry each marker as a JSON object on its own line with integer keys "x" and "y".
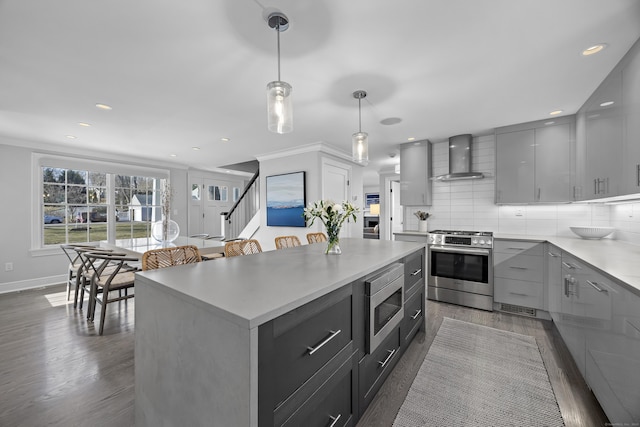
{"x": 40, "y": 160}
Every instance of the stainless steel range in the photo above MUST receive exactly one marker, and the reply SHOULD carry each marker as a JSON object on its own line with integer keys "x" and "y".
{"x": 461, "y": 268}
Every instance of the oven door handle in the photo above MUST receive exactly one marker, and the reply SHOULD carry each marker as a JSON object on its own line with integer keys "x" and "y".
{"x": 460, "y": 250}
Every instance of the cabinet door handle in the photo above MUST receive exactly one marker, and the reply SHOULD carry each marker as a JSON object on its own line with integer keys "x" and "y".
{"x": 418, "y": 271}
{"x": 551, "y": 254}
{"x": 518, "y": 294}
{"x": 595, "y": 286}
{"x": 415, "y": 316}
{"x": 566, "y": 287}
{"x": 538, "y": 193}
{"x": 312, "y": 350}
{"x": 518, "y": 268}
{"x": 518, "y": 249}
{"x": 334, "y": 420}
{"x": 595, "y": 186}
{"x": 638, "y": 175}
{"x": 383, "y": 364}
{"x": 569, "y": 266}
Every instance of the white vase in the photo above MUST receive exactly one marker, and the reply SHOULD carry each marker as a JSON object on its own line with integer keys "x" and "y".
{"x": 165, "y": 231}
{"x": 422, "y": 225}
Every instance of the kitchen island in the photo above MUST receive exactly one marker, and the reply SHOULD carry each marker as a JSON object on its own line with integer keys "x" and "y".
{"x": 209, "y": 336}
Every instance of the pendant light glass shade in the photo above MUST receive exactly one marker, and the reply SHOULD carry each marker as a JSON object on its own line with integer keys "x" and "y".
{"x": 279, "y": 107}
{"x": 360, "y": 147}
{"x": 360, "y": 140}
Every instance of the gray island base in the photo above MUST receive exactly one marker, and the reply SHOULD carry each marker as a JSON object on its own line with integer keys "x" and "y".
{"x": 275, "y": 338}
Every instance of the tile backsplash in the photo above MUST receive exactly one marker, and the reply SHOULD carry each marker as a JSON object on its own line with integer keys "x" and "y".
{"x": 470, "y": 205}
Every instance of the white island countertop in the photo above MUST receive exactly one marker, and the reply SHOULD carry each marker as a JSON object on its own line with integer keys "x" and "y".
{"x": 617, "y": 259}
{"x": 254, "y": 289}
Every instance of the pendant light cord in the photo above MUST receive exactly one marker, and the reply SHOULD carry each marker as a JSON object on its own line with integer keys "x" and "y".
{"x": 359, "y": 116}
{"x": 278, "y": 31}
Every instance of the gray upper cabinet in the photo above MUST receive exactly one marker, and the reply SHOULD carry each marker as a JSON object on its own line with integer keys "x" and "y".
{"x": 534, "y": 162}
{"x": 608, "y": 134}
{"x": 603, "y": 142}
{"x": 415, "y": 173}
{"x": 631, "y": 106}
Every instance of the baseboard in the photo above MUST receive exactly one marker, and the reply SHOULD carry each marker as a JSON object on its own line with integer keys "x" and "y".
{"x": 40, "y": 282}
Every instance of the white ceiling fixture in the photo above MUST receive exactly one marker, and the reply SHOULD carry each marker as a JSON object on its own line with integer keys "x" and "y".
{"x": 279, "y": 105}
{"x": 104, "y": 107}
{"x": 360, "y": 140}
{"x": 556, "y": 112}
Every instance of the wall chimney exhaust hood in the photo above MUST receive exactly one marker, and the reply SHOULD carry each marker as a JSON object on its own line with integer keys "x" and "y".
{"x": 460, "y": 160}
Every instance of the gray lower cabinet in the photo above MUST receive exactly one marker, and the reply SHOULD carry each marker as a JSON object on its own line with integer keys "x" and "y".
{"x": 313, "y": 364}
{"x": 519, "y": 273}
{"x": 599, "y": 321}
{"x": 299, "y": 353}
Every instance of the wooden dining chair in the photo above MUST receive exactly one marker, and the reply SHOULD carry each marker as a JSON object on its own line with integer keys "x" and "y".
{"x": 167, "y": 257}
{"x": 85, "y": 274}
{"x": 287, "y": 242}
{"x": 316, "y": 237}
{"x": 111, "y": 273}
{"x": 75, "y": 266}
{"x": 242, "y": 247}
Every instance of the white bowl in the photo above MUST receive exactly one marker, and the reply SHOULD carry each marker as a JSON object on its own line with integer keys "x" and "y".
{"x": 592, "y": 232}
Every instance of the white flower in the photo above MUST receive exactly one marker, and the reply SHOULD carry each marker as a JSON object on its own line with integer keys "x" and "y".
{"x": 337, "y": 207}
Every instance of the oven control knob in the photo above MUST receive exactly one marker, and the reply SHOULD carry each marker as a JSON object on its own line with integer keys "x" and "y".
{"x": 482, "y": 242}
{"x": 438, "y": 239}
{"x": 474, "y": 241}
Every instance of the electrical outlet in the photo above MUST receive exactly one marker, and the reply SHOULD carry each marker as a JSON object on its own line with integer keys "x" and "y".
{"x": 8, "y": 266}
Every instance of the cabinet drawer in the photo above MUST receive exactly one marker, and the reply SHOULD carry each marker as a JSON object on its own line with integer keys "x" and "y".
{"x": 413, "y": 315}
{"x": 519, "y": 292}
{"x": 375, "y": 367}
{"x": 330, "y": 405}
{"x": 518, "y": 247}
{"x": 413, "y": 272}
{"x": 519, "y": 267}
{"x": 305, "y": 339}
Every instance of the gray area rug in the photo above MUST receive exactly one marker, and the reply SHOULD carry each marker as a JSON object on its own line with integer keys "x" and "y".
{"x": 474, "y": 375}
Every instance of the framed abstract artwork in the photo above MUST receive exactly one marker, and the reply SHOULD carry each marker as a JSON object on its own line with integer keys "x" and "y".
{"x": 286, "y": 199}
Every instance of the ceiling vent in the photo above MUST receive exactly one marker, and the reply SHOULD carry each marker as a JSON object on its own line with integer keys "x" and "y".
{"x": 460, "y": 159}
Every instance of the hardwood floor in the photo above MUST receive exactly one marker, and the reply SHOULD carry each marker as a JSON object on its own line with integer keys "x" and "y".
{"x": 55, "y": 370}
{"x": 578, "y": 405}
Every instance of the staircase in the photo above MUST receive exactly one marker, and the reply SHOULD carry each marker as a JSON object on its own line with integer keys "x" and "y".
{"x": 243, "y": 219}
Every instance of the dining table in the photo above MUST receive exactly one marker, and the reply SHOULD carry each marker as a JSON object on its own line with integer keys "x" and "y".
{"x": 138, "y": 246}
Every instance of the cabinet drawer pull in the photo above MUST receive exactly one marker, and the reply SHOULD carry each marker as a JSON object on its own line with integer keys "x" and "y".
{"x": 334, "y": 334}
{"x": 415, "y": 316}
{"x": 518, "y": 268}
{"x": 383, "y": 364}
{"x": 551, "y": 254}
{"x": 418, "y": 271}
{"x": 595, "y": 286}
{"x": 638, "y": 175}
{"x": 334, "y": 420}
{"x": 518, "y": 249}
{"x": 569, "y": 266}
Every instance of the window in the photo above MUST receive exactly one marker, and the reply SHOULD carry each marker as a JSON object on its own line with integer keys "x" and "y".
{"x": 218, "y": 192}
{"x": 76, "y": 205}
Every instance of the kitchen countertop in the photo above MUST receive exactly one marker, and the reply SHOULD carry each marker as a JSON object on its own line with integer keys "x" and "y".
{"x": 614, "y": 258}
{"x": 254, "y": 289}
{"x": 412, "y": 233}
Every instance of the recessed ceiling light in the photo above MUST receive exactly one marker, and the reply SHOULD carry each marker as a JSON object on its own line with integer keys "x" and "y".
{"x": 556, "y": 112}
{"x": 549, "y": 123}
{"x": 225, "y": 139}
{"x": 593, "y": 49}
{"x": 390, "y": 121}
{"x": 71, "y": 136}
{"x": 104, "y": 107}
{"x": 195, "y": 148}
{"x": 173, "y": 155}
{"x": 411, "y": 138}
{"x": 607, "y": 103}
{"x": 83, "y": 124}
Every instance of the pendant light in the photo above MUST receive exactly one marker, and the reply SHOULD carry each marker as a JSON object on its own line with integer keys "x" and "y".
{"x": 279, "y": 108}
{"x": 360, "y": 140}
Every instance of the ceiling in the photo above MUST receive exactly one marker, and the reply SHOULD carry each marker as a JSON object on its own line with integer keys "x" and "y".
{"x": 186, "y": 74}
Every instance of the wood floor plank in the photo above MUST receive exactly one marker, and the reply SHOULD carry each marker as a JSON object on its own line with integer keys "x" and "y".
{"x": 56, "y": 371}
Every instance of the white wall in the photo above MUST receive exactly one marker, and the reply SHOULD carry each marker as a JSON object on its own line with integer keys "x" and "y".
{"x": 469, "y": 205}
{"x": 311, "y": 163}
